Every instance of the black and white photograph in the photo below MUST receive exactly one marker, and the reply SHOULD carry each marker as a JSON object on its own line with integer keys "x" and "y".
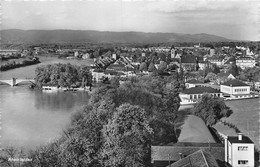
{"x": 129, "y": 83}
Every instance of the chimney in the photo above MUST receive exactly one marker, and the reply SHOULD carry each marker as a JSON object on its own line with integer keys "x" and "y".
{"x": 180, "y": 154}
{"x": 240, "y": 136}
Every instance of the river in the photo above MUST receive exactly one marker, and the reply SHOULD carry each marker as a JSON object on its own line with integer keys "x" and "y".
{"x": 31, "y": 118}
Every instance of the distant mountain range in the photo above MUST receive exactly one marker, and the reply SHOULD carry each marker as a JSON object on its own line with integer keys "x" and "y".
{"x": 14, "y": 36}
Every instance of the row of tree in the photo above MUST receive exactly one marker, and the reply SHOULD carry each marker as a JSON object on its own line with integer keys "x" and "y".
{"x": 13, "y": 64}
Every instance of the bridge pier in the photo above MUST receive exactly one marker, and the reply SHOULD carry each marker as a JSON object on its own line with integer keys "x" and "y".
{"x": 13, "y": 82}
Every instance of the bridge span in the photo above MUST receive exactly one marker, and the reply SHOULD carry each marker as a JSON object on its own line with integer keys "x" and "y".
{"x": 15, "y": 81}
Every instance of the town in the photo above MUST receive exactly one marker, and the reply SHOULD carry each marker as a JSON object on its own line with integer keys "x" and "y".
{"x": 129, "y": 83}
{"x": 203, "y": 71}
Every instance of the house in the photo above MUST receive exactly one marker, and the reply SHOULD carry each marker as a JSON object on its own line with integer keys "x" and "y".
{"x": 162, "y": 156}
{"x": 8, "y": 52}
{"x": 223, "y": 77}
{"x": 192, "y": 83}
{"x": 192, "y": 95}
{"x": 235, "y": 89}
{"x": 219, "y": 61}
{"x": 76, "y": 54}
{"x": 85, "y": 56}
{"x": 200, "y": 158}
{"x": 189, "y": 63}
{"x": 245, "y": 62}
{"x": 204, "y": 64}
{"x": 239, "y": 151}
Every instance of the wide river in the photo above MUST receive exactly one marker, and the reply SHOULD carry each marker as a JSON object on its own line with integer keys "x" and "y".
{"x": 31, "y": 118}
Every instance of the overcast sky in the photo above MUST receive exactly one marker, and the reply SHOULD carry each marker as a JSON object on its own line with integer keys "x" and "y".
{"x": 234, "y": 19}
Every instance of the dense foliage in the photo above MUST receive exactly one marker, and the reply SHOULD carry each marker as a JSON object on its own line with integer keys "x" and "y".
{"x": 13, "y": 64}
{"x": 64, "y": 75}
{"x": 211, "y": 109}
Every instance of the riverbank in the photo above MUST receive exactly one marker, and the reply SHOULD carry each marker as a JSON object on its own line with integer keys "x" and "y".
{"x": 29, "y": 71}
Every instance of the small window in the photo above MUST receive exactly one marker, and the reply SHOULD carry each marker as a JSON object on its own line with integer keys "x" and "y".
{"x": 244, "y": 162}
{"x": 242, "y": 148}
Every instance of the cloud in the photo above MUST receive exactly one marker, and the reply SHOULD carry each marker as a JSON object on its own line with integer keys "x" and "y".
{"x": 198, "y": 5}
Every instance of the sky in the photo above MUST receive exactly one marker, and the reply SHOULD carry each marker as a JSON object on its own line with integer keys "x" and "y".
{"x": 233, "y": 19}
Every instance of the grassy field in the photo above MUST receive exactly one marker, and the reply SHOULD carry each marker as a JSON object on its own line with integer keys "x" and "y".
{"x": 29, "y": 71}
{"x": 246, "y": 117}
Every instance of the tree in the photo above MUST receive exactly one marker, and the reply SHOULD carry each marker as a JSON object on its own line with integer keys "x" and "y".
{"x": 211, "y": 77}
{"x": 151, "y": 67}
{"x": 211, "y": 109}
{"x": 162, "y": 66}
{"x": 127, "y": 138}
{"x": 143, "y": 66}
{"x": 234, "y": 70}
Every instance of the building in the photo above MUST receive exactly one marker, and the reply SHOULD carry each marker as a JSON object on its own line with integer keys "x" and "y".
{"x": 8, "y": 52}
{"x": 239, "y": 151}
{"x": 162, "y": 156}
{"x": 245, "y": 62}
{"x": 189, "y": 63}
{"x": 114, "y": 56}
{"x": 199, "y": 158}
{"x": 235, "y": 89}
{"x": 76, "y": 54}
{"x": 217, "y": 61}
{"x": 85, "y": 56}
{"x": 212, "y": 52}
{"x": 192, "y": 95}
{"x": 192, "y": 83}
{"x": 223, "y": 77}
{"x": 172, "y": 53}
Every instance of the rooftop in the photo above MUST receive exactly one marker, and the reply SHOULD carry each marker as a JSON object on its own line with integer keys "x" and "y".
{"x": 166, "y": 153}
{"x": 200, "y": 158}
{"x": 234, "y": 83}
{"x": 234, "y": 139}
{"x": 194, "y": 81}
{"x": 200, "y": 90}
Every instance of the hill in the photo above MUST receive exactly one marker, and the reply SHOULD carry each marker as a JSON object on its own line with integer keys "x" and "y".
{"x": 87, "y": 36}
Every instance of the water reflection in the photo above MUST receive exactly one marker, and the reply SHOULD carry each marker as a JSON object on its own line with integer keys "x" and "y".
{"x": 32, "y": 118}
{"x": 60, "y": 101}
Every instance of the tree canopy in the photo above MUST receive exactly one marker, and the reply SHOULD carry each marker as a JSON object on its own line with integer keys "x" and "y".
{"x": 64, "y": 75}
{"x": 211, "y": 109}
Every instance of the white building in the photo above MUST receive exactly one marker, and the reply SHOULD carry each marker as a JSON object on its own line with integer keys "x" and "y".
{"x": 239, "y": 151}
{"x": 236, "y": 89}
{"x": 217, "y": 61}
{"x": 85, "y": 56}
{"x": 244, "y": 62}
{"x": 192, "y": 83}
{"x": 192, "y": 95}
{"x": 212, "y": 52}
{"x": 172, "y": 53}
{"x": 114, "y": 56}
{"x": 76, "y": 54}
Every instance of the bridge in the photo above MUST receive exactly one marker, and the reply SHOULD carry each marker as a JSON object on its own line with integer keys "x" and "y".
{"x": 14, "y": 81}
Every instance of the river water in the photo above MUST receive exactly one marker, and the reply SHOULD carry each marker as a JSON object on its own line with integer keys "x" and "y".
{"x": 30, "y": 118}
